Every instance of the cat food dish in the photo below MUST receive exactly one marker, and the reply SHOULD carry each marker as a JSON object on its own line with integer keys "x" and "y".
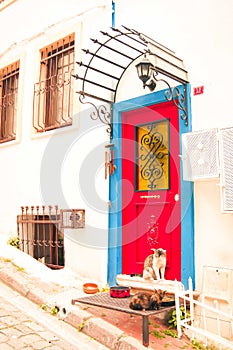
{"x": 119, "y": 292}
{"x": 90, "y": 288}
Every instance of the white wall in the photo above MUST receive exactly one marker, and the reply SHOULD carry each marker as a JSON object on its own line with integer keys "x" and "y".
{"x": 47, "y": 169}
{"x": 213, "y": 240}
{"x": 200, "y": 33}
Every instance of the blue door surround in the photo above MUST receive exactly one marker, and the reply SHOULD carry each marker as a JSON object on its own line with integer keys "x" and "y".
{"x": 187, "y": 208}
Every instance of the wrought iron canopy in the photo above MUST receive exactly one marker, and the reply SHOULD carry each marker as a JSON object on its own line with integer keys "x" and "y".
{"x": 109, "y": 57}
{"x": 113, "y": 53}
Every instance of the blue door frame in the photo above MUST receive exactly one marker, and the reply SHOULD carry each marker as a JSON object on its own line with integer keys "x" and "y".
{"x": 115, "y": 211}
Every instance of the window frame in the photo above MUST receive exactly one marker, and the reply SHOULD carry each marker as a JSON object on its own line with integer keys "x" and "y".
{"x": 54, "y": 92}
{"x": 9, "y": 91}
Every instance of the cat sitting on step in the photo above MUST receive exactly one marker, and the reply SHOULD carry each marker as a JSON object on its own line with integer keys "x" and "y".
{"x": 155, "y": 264}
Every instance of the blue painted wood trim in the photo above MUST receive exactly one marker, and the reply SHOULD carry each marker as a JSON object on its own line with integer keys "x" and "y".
{"x": 187, "y": 207}
{"x": 115, "y": 210}
{"x": 115, "y": 218}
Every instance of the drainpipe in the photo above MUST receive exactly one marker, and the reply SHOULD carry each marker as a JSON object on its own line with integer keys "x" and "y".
{"x": 113, "y": 14}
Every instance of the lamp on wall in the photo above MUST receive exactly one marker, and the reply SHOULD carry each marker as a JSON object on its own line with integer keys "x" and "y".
{"x": 148, "y": 74}
{"x": 144, "y": 70}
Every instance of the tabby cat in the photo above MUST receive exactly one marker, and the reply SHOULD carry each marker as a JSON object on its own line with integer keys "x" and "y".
{"x": 145, "y": 301}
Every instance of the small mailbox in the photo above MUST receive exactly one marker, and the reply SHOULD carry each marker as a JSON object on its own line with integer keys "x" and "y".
{"x": 72, "y": 218}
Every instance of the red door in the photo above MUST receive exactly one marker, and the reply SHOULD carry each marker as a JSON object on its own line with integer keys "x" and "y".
{"x": 150, "y": 187}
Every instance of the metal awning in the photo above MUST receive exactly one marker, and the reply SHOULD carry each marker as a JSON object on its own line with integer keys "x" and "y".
{"x": 110, "y": 55}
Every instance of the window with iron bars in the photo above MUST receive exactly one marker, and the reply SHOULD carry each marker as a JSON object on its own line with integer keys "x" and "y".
{"x": 40, "y": 234}
{"x": 9, "y": 77}
{"x": 53, "y": 94}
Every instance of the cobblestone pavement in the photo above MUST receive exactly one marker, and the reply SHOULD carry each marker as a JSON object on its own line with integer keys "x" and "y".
{"x": 24, "y": 325}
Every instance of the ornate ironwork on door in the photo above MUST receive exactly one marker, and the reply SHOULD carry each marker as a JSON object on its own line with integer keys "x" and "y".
{"x": 152, "y": 235}
{"x": 153, "y": 156}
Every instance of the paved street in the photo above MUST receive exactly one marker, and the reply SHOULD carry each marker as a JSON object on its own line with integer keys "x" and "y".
{"x": 23, "y": 325}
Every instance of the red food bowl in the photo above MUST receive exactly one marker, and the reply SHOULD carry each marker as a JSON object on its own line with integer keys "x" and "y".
{"x": 119, "y": 292}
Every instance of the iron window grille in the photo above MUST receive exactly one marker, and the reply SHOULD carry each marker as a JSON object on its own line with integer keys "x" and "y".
{"x": 53, "y": 94}
{"x": 40, "y": 234}
{"x": 41, "y": 231}
{"x": 9, "y": 77}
